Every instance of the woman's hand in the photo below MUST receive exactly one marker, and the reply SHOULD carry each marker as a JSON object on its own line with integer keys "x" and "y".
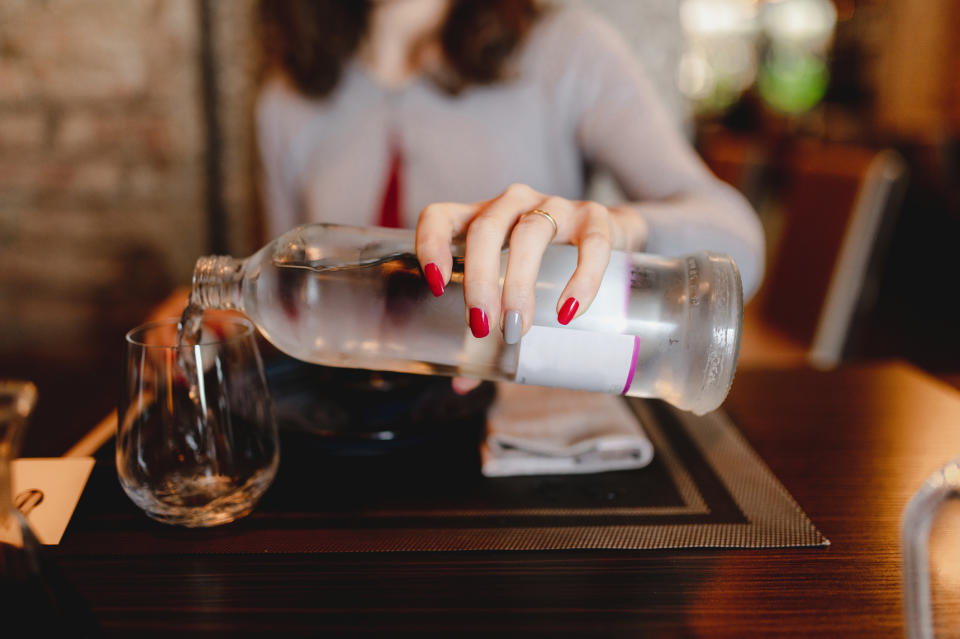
{"x": 592, "y": 227}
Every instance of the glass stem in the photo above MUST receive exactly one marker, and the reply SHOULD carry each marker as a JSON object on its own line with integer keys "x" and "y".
{"x": 17, "y": 400}
{"x": 6, "y": 486}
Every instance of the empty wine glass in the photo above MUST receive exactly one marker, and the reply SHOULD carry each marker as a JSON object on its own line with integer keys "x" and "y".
{"x": 197, "y": 440}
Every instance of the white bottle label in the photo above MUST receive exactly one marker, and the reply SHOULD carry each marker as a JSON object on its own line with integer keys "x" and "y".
{"x": 607, "y": 312}
{"x": 582, "y": 360}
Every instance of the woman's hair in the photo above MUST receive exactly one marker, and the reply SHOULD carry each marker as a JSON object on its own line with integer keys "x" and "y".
{"x": 312, "y": 40}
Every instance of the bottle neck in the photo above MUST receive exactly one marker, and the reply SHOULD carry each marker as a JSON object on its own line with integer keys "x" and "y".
{"x": 218, "y": 283}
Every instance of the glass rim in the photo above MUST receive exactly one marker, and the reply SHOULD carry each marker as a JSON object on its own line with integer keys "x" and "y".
{"x": 246, "y": 330}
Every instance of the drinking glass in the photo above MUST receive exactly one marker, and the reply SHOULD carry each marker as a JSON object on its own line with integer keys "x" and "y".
{"x": 197, "y": 439}
{"x": 930, "y": 536}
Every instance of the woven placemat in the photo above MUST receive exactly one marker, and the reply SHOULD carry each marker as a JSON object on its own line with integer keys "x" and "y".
{"x": 706, "y": 488}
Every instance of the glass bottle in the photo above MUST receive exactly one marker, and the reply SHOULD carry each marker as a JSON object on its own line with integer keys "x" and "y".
{"x": 356, "y": 297}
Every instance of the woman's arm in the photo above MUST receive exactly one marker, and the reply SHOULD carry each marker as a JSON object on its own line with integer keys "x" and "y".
{"x": 622, "y": 125}
{"x": 598, "y": 94}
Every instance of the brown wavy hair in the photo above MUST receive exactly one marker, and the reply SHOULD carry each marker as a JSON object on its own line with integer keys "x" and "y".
{"x": 312, "y": 40}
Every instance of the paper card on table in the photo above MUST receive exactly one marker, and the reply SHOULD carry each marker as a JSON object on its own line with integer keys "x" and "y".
{"x": 47, "y": 490}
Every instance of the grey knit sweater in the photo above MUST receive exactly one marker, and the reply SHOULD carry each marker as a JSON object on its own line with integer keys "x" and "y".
{"x": 574, "y": 97}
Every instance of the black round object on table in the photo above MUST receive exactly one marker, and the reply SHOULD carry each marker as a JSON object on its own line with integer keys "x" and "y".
{"x": 367, "y": 413}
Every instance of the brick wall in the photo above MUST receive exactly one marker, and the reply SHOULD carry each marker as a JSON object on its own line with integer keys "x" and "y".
{"x": 102, "y": 182}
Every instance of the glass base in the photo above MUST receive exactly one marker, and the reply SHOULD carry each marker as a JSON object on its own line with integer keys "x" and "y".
{"x": 202, "y": 500}
{"x": 201, "y": 518}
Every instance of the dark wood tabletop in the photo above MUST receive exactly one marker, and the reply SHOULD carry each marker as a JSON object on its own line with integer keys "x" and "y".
{"x": 851, "y": 445}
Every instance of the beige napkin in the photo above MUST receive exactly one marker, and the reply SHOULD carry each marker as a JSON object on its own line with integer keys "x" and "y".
{"x": 532, "y": 430}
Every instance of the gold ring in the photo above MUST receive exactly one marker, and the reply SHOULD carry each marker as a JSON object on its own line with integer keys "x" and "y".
{"x": 544, "y": 214}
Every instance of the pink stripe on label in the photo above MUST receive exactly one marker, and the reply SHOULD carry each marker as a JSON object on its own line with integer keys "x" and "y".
{"x": 633, "y": 364}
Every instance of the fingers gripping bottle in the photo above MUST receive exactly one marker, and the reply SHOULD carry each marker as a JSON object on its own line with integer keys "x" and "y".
{"x": 352, "y": 297}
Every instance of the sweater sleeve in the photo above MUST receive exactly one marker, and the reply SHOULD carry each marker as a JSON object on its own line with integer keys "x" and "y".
{"x": 620, "y": 124}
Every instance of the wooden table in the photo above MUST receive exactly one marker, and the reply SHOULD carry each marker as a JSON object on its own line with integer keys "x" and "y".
{"x": 850, "y": 445}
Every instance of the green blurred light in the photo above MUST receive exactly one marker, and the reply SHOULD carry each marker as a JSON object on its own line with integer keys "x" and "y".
{"x": 793, "y": 83}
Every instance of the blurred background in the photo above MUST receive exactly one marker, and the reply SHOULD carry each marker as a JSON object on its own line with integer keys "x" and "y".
{"x": 126, "y": 151}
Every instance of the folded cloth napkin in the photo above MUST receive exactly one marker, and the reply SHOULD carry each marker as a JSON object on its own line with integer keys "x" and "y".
{"x": 532, "y": 430}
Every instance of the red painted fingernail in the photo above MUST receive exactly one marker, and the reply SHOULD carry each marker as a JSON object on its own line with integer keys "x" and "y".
{"x": 434, "y": 279}
{"x": 568, "y": 310}
{"x": 479, "y": 325}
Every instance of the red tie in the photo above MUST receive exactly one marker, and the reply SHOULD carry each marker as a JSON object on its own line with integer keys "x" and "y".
{"x": 390, "y": 213}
